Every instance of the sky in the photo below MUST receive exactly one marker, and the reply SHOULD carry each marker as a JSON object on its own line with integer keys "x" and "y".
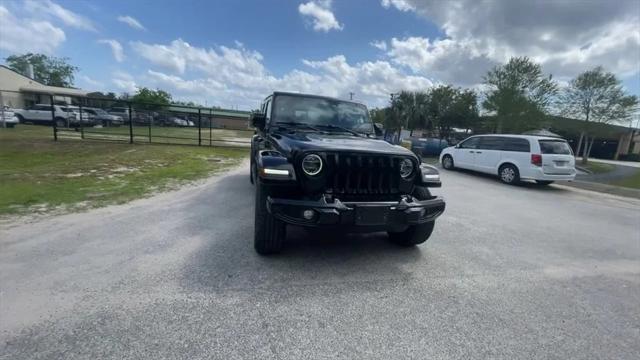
{"x": 234, "y": 53}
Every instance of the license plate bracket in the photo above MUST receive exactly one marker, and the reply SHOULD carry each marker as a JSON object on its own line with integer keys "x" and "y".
{"x": 372, "y": 215}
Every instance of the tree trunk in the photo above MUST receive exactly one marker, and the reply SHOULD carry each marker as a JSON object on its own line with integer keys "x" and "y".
{"x": 587, "y": 150}
{"x": 411, "y": 133}
{"x": 579, "y": 147}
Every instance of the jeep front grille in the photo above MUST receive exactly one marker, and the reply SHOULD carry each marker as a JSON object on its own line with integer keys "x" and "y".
{"x": 354, "y": 174}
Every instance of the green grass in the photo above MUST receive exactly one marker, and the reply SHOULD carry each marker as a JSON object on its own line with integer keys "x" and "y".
{"x": 632, "y": 181}
{"x": 39, "y": 174}
{"x": 597, "y": 167}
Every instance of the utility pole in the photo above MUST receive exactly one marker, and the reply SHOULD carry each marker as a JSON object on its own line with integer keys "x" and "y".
{"x": 351, "y": 95}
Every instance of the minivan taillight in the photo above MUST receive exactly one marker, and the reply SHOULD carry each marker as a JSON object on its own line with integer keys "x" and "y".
{"x": 536, "y": 159}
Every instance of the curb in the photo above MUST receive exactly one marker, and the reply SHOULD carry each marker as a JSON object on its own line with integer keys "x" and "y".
{"x": 585, "y": 170}
{"x": 604, "y": 188}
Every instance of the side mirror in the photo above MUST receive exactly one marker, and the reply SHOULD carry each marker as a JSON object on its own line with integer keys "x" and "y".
{"x": 258, "y": 120}
{"x": 378, "y": 129}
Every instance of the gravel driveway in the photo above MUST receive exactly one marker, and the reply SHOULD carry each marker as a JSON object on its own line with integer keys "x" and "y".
{"x": 510, "y": 272}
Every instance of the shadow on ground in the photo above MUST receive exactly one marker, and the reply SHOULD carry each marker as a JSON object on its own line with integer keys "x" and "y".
{"x": 226, "y": 259}
{"x": 525, "y": 184}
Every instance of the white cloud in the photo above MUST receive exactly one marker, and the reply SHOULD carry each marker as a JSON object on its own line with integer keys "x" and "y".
{"x": 27, "y": 35}
{"x": 165, "y": 56}
{"x": 52, "y": 9}
{"x": 321, "y": 15}
{"x": 116, "y": 48}
{"x": 90, "y": 84}
{"x": 237, "y": 76}
{"x": 447, "y": 60}
{"x": 124, "y": 81}
{"x": 566, "y": 37}
{"x": 402, "y": 5}
{"x": 381, "y": 45}
{"x": 132, "y": 22}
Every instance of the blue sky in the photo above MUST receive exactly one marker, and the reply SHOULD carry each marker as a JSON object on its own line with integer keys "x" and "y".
{"x": 233, "y": 53}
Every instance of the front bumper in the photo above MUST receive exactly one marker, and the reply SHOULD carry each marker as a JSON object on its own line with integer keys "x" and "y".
{"x": 381, "y": 215}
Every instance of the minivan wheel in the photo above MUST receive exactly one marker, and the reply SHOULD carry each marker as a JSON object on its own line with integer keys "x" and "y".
{"x": 509, "y": 174}
{"x": 544, "y": 182}
{"x": 447, "y": 162}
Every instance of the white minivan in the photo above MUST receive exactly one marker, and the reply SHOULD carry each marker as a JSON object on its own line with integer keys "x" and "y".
{"x": 513, "y": 157}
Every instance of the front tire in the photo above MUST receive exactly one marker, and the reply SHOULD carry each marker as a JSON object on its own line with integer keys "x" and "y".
{"x": 61, "y": 123}
{"x": 447, "y": 162}
{"x": 509, "y": 174}
{"x": 269, "y": 232}
{"x": 414, "y": 234}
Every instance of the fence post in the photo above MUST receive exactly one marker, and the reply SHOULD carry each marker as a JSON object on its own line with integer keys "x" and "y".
{"x": 130, "y": 125}
{"x": 81, "y": 125}
{"x": 4, "y": 122}
{"x": 199, "y": 127}
{"x": 53, "y": 119}
{"x": 150, "y": 120}
{"x": 210, "y": 126}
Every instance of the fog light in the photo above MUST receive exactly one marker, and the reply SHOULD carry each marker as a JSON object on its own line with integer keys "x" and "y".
{"x": 423, "y": 212}
{"x": 308, "y": 214}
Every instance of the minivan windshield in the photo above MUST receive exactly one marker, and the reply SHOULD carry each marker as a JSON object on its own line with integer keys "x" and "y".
{"x": 321, "y": 112}
{"x": 559, "y": 147}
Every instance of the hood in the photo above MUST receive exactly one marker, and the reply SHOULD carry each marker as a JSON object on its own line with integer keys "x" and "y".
{"x": 290, "y": 143}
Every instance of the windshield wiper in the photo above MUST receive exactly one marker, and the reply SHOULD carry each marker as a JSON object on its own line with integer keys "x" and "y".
{"x": 298, "y": 124}
{"x": 336, "y": 127}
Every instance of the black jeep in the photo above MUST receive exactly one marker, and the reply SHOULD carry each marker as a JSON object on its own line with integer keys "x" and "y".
{"x": 317, "y": 162}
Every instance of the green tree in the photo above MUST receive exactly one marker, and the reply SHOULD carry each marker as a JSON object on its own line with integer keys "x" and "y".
{"x": 450, "y": 107}
{"x": 519, "y": 94}
{"x": 596, "y": 96}
{"x": 47, "y": 70}
{"x": 148, "y": 99}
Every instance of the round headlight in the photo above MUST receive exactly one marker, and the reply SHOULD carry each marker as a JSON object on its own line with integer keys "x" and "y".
{"x": 312, "y": 164}
{"x": 406, "y": 168}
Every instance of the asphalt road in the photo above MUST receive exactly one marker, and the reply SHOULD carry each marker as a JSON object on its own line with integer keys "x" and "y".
{"x": 510, "y": 272}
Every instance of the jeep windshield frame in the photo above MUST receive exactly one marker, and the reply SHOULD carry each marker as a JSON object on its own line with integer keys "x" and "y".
{"x": 330, "y": 115}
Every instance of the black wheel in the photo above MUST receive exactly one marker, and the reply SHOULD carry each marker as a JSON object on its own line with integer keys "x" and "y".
{"x": 252, "y": 174}
{"x": 509, "y": 174}
{"x": 269, "y": 232}
{"x": 11, "y": 125}
{"x": 60, "y": 122}
{"x": 105, "y": 123}
{"x": 415, "y": 234}
{"x": 447, "y": 162}
{"x": 544, "y": 182}
{"x": 20, "y": 118}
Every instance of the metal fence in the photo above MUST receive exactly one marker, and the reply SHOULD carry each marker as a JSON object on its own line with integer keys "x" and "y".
{"x": 123, "y": 120}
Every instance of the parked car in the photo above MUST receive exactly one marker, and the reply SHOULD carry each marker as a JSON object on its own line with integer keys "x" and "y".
{"x": 8, "y": 117}
{"x": 170, "y": 120}
{"x": 102, "y": 117}
{"x": 64, "y": 115}
{"x": 513, "y": 157}
{"x": 138, "y": 117}
{"x": 316, "y": 162}
{"x": 428, "y": 146}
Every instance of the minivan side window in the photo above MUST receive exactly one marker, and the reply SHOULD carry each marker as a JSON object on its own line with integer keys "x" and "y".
{"x": 516, "y": 144}
{"x": 491, "y": 143}
{"x": 470, "y": 143}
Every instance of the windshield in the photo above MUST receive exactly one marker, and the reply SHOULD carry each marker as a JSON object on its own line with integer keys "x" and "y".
{"x": 322, "y": 112}
{"x": 555, "y": 147}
